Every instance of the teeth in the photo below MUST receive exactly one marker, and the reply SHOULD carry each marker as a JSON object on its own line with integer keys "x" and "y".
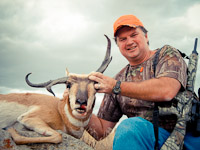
{"x": 80, "y": 110}
{"x": 131, "y": 48}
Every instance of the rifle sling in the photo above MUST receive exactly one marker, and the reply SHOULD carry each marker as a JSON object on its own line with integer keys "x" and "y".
{"x": 156, "y": 110}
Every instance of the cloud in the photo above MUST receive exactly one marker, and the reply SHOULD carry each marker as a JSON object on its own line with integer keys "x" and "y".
{"x": 188, "y": 20}
{"x": 46, "y": 36}
{"x": 5, "y": 90}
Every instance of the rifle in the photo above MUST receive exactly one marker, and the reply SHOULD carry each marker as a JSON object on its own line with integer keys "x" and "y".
{"x": 186, "y": 108}
{"x": 195, "y": 112}
{"x": 192, "y": 68}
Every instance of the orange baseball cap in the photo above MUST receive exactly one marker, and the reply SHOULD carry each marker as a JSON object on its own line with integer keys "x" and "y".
{"x": 126, "y": 20}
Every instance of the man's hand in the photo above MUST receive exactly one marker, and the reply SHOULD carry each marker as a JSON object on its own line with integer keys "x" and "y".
{"x": 104, "y": 84}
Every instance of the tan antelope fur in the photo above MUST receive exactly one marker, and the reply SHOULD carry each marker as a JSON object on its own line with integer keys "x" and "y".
{"x": 45, "y": 114}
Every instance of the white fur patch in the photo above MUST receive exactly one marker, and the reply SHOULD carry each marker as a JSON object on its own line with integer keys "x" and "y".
{"x": 72, "y": 99}
{"x": 43, "y": 131}
{"x": 73, "y": 120}
{"x": 9, "y": 112}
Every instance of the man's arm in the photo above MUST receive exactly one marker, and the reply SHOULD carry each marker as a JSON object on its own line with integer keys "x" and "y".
{"x": 161, "y": 89}
{"x": 157, "y": 89}
{"x": 99, "y": 128}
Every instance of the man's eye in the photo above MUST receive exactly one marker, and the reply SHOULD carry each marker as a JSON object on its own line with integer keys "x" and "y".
{"x": 122, "y": 39}
{"x": 133, "y": 35}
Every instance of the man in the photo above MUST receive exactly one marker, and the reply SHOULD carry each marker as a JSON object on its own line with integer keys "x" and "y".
{"x": 136, "y": 87}
{"x": 140, "y": 86}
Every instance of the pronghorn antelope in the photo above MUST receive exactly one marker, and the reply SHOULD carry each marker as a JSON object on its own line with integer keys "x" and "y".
{"x": 45, "y": 114}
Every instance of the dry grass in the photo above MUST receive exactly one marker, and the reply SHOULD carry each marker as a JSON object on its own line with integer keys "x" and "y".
{"x": 104, "y": 144}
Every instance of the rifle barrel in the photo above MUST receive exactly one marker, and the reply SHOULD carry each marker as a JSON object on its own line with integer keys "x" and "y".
{"x": 195, "y": 46}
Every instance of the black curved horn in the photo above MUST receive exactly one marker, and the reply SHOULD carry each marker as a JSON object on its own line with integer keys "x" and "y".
{"x": 107, "y": 58}
{"x": 63, "y": 80}
{"x": 47, "y": 84}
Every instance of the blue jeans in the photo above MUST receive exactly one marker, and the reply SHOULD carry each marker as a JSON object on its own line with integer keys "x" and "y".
{"x": 138, "y": 134}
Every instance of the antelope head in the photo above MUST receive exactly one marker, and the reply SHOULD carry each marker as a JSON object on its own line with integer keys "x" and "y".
{"x": 81, "y": 89}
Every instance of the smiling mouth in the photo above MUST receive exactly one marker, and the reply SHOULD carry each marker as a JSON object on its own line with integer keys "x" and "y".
{"x": 132, "y": 48}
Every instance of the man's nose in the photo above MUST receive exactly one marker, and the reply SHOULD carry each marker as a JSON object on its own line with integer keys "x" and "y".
{"x": 129, "y": 41}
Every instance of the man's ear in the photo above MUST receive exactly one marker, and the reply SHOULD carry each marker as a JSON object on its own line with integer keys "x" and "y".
{"x": 146, "y": 36}
{"x": 115, "y": 38}
{"x": 117, "y": 42}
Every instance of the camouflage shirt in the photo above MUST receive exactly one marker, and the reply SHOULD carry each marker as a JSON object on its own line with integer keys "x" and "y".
{"x": 170, "y": 64}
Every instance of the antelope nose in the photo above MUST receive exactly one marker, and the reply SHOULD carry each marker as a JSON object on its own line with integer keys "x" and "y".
{"x": 81, "y": 102}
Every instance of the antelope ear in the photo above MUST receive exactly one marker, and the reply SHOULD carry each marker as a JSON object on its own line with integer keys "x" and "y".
{"x": 67, "y": 72}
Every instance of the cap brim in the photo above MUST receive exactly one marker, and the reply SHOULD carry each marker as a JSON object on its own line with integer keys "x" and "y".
{"x": 129, "y": 25}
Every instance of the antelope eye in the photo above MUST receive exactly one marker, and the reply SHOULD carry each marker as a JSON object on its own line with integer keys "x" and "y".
{"x": 69, "y": 85}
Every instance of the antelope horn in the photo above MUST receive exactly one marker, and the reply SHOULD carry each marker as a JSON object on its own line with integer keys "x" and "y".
{"x": 63, "y": 80}
{"x": 47, "y": 84}
{"x": 107, "y": 58}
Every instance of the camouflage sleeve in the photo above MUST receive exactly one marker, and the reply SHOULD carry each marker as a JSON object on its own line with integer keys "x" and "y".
{"x": 171, "y": 64}
{"x": 109, "y": 109}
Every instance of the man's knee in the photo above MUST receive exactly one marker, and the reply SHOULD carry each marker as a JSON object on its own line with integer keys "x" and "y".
{"x": 134, "y": 131}
{"x": 134, "y": 123}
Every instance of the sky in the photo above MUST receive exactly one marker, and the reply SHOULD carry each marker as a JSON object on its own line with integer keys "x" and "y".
{"x": 46, "y": 36}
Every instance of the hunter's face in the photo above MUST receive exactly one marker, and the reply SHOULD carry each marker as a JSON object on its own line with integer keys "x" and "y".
{"x": 132, "y": 43}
